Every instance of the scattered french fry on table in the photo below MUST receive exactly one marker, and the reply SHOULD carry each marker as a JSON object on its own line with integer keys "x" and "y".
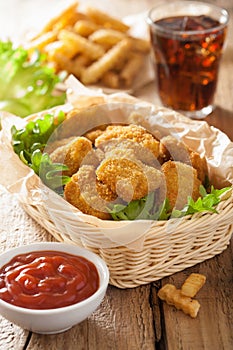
{"x": 193, "y": 284}
{"x": 182, "y": 298}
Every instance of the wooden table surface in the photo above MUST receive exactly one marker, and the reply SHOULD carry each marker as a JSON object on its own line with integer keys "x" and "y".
{"x": 131, "y": 318}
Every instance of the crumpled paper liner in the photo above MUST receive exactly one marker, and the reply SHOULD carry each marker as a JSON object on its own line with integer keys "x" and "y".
{"x": 19, "y": 179}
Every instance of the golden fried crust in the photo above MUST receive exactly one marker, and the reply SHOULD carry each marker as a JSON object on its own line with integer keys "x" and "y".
{"x": 127, "y": 178}
{"x": 135, "y": 133}
{"x": 172, "y": 149}
{"x": 119, "y": 148}
{"x": 181, "y": 182}
{"x": 87, "y": 194}
{"x": 193, "y": 284}
{"x": 94, "y": 157}
{"x": 92, "y": 135}
{"x": 174, "y": 297}
{"x": 72, "y": 154}
{"x": 199, "y": 163}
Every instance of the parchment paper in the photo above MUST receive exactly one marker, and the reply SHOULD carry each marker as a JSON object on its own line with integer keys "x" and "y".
{"x": 91, "y": 106}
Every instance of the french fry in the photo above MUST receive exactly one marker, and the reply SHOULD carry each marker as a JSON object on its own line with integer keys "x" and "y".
{"x": 96, "y": 70}
{"x": 97, "y": 42}
{"x": 111, "y": 79}
{"x": 140, "y": 45}
{"x": 72, "y": 66}
{"x": 83, "y": 45}
{"x": 40, "y": 42}
{"x": 167, "y": 292}
{"x": 82, "y": 60}
{"x": 106, "y": 20}
{"x": 60, "y": 48}
{"x": 173, "y": 296}
{"x": 131, "y": 68}
{"x": 108, "y": 37}
{"x": 193, "y": 284}
{"x": 85, "y": 27}
{"x": 60, "y": 20}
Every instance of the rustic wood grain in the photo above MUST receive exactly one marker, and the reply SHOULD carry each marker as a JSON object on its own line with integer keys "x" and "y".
{"x": 135, "y": 319}
{"x": 213, "y": 328}
{"x": 123, "y": 321}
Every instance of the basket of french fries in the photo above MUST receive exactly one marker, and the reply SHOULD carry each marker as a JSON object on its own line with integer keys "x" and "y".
{"x": 142, "y": 186}
{"x": 97, "y": 48}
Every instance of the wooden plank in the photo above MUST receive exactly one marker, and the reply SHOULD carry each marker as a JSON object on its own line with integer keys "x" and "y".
{"x": 213, "y": 327}
{"x": 11, "y": 337}
{"x": 123, "y": 321}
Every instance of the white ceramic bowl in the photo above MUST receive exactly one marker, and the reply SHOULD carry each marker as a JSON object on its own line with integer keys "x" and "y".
{"x": 57, "y": 320}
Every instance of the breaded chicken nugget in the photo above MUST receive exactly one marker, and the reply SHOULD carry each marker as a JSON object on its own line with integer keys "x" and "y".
{"x": 92, "y": 135}
{"x": 127, "y": 178}
{"x": 87, "y": 194}
{"x": 181, "y": 182}
{"x": 129, "y": 149}
{"x": 95, "y": 132}
{"x": 199, "y": 163}
{"x": 171, "y": 148}
{"x": 94, "y": 157}
{"x": 133, "y": 132}
{"x": 72, "y": 154}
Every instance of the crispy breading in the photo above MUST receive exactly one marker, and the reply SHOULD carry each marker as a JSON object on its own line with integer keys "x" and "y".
{"x": 129, "y": 149}
{"x": 181, "y": 182}
{"x": 128, "y": 178}
{"x": 171, "y": 148}
{"x": 87, "y": 194}
{"x": 132, "y": 132}
{"x": 72, "y": 154}
{"x": 94, "y": 157}
{"x": 199, "y": 163}
{"x": 93, "y": 134}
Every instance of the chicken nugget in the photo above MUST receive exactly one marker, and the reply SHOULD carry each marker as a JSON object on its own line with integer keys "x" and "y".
{"x": 171, "y": 148}
{"x": 199, "y": 163}
{"x": 133, "y": 132}
{"x": 129, "y": 149}
{"x": 94, "y": 158}
{"x": 72, "y": 154}
{"x": 181, "y": 182}
{"x": 93, "y": 134}
{"x": 89, "y": 195}
{"x": 127, "y": 178}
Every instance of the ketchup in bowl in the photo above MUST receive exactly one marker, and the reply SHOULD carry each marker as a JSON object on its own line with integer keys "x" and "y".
{"x": 47, "y": 280}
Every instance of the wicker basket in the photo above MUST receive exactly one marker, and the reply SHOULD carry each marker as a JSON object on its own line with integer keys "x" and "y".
{"x": 197, "y": 238}
{"x": 164, "y": 247}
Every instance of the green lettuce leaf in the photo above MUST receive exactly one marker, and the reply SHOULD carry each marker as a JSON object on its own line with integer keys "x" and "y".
{"x": 29, "y": 143}
{"x": 27, "y": 85}
{"x": 146, "y": 209}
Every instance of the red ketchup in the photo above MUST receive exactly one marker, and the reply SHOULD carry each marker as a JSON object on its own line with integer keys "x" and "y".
{"x": 47, "y": 280}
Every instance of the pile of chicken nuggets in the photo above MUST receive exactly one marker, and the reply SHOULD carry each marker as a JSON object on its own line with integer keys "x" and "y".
{"x": 117, "y": 164}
